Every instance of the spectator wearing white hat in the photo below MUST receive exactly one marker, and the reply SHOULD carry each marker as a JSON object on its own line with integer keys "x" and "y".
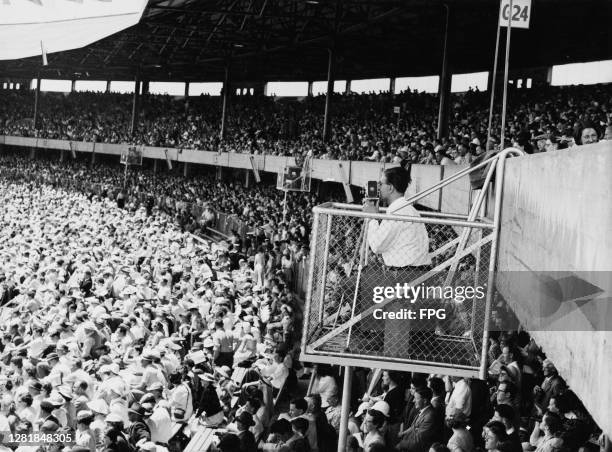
{"x": 100, "y": 410}
{"x": 151, "y": 373}
{"x": 83, "y": 435}
{"x": 111, "y": 382}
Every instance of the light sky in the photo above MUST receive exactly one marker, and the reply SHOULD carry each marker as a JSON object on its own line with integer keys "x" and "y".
{"x": 568, "y": 74}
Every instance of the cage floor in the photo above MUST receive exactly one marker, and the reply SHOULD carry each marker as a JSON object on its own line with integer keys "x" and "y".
{"x": 443, "y": 350}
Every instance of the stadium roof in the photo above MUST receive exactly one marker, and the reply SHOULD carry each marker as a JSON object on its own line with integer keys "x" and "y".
{"x": 287, "y": 40}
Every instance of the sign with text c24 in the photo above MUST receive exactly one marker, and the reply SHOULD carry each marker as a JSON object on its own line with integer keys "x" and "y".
{"x": 520, "y": 13}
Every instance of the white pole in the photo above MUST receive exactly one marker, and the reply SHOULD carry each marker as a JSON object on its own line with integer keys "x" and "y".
{"x": 505, "y": 98}
{"x": 492, "y": 87}
{"x": 346, "y": 407}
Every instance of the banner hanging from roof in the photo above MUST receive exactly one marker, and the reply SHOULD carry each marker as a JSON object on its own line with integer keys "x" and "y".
{"x": 28, "y": 26}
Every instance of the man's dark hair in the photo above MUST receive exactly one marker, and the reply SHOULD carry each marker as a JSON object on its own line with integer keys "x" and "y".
{"x": 112, "y": 434}
{"x": 398, "y": 177}
{"x": 437, "y": 386}
{"x": 254, "y": 402}
{"x": 229, "y": 443}
{"x": 419, "y": 381}
{"x": 425, "y": 393}
{"x": 300, "y": 404}
{"x": 378, "y": 419}
{"x": 505, "y": 411}
{"x": 553, "y": 422}
{"x": 27, "y": 399}
{"x": 498, "y": 429}
{"x": 281, "y": 426}
{"x": 176, "y": 377}
{"x": 300, "y": 424}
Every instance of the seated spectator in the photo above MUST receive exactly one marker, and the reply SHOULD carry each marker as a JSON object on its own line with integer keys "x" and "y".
{"x": 588, "y": 135}
{"x": 546, "y": 433}
{"x": 299, "y": 441}
{"x": 494, "y": 434}
{"x": 552, "y": 385}
{"x": 280, "y": 433}
{"x": 373, "y": 422}
{"x": 298, "y": 408}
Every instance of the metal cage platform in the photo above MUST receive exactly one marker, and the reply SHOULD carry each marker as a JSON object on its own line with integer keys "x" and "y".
{"x": 434, "y": 319}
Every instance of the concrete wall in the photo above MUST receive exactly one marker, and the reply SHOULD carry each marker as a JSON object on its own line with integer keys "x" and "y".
{"x": 557, "y": 227}
{"x": 456, "y": 197}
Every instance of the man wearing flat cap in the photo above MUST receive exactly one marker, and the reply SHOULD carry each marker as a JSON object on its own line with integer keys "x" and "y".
{"x": 46, "y": 410}
{"x": 138, "y": 429}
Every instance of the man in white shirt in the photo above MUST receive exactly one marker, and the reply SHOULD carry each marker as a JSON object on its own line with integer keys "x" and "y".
{"x": 404, "y": 247}
{"x": 150, "y": 374}
{"x": 401, "y": 243}
{"x": 159, "y": 422}
{"x": 460, "y": 398}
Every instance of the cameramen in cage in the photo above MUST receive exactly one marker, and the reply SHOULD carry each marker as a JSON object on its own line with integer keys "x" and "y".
{"x": 403, "y": 245}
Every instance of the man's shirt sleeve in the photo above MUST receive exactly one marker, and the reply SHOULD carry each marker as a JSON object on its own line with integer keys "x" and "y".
{"x": 381, "y": 236}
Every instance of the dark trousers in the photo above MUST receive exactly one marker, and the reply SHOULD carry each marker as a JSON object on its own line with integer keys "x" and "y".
{"x": 225, "y": 359}
{"x": 400, "y": 338}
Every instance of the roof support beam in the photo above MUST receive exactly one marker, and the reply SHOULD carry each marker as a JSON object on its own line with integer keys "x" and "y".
{"x": 226, "y": 94}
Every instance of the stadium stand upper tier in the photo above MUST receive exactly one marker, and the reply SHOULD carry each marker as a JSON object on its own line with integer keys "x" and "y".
{"x": 363, "y": 127}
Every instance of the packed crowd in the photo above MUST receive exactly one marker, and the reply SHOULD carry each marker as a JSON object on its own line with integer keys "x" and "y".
{"x": 188, "y": 200}
{"x": 118, "y": 327}
{"x": 363, "y": 127}
{"x": 125, "y": 332}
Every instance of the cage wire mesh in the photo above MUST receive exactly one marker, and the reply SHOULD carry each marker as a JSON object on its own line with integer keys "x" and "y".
{"x": 346, "y": 307}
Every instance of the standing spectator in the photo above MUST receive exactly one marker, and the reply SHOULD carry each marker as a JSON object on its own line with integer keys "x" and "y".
{"x": 459, "y": 396}
{"x": 422, "y": 433}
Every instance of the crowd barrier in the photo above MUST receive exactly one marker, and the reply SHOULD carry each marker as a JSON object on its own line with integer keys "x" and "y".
{"x": 455, "y": 199}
